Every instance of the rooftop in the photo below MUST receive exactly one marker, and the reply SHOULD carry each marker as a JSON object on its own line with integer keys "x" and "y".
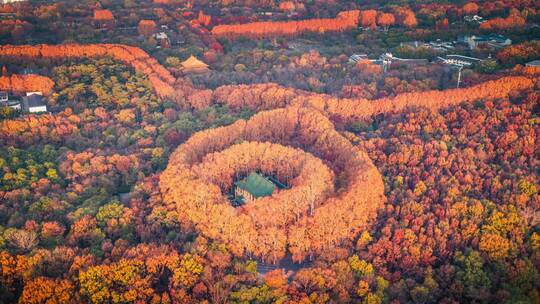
{"x": 257, "y": 185}
{"x": 33, "y": 100}
{"x": 192, "y": 63}
{"x": 534, "y": 63}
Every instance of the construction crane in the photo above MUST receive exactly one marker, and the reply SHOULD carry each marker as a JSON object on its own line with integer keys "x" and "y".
{"x": 386, "y": 61}
{"x": 459, "y": 64}
{"x": 460, "y": 68}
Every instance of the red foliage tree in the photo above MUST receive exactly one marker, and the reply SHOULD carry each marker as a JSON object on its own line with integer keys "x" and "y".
{"x": 512, "y": 21}
{"x": 344, "y": 21}
{"x": 385, "y": 20}
{"x": 147, "y": 27}
{"x": 160, "y": 77}
{"x": 203, "y": 19}
{"x": 368, "y": 18}
{"x": 26, "y": 83}
{"x": 470, "y": 8}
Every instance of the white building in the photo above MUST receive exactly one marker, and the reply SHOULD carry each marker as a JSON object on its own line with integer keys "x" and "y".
{"x": 33, "y": 103}
{"x": 475, "y": 18}
{"x": 14, "y": 104}
{"x": 10, "y": 1}
{"x": 6, "y": 102}
{"x": 534, "y": 63}
{"x": 357, "y": 57}
{"x": 496, "y": 41}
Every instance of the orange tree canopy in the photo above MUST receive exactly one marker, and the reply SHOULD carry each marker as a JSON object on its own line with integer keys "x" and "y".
{"x": 103, "y": 15}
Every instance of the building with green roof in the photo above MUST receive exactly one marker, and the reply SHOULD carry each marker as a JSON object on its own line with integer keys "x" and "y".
{"x": 253, "y": 187}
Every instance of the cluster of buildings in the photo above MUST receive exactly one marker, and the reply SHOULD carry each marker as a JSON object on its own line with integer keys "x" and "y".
{"x": 474, "y": 19}
{"x": 437, "y": 45}
{"x": 10, "y": 1}
{"x": 385, "y": 60}
{"x": 31, "y": 103}
{"x": 165, "y": 38}
{"x": 389, "y": 58}
{"x": 455, "y": 61}
{"x": 470, "y": 42}
{"x": 495, "y": 41}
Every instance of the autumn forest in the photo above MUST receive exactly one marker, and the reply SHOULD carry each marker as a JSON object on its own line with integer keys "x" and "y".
{"x": 269, "y": 151}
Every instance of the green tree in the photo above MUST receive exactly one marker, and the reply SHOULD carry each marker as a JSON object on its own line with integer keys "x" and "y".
{"x": 472, "y": 275}
{"x": 110, "y": 211}
{"x": 360, "y": 267}
{"x": 488, "y": 66}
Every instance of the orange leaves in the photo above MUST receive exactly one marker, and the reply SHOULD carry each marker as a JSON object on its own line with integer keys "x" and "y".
{"x": 82, "y": 168}
{"x": 126, "y": 116}
{"x": 13, "y": 27}
{"x": 361, "y": 109}
{"x": 309, "y": 217}
{"x": 373, "y": 18}
{"x": 204, "y": 19}
{"x": 405, "y": 17}
{"x": 470, "y": 8}
{"x": 46, "y": 290}
{"x": 290, "y": 6}
{"x": 386, "y": 19}
{"x": 259, "y": 96}
{"x": 369, "y": 67}
{"x": 442, "y": 24}
{"x": 52, "y": 230}
{"x": 30, "y": 127}
{"x": 494, "y": 245}
{"x": 269, "y": 96}
{"x": 202, "y": 168}
{"x": 147, "y": 28}
{"x": 13, "y": 269}
{"x": 160, "y": 77}
{"x": 26, "y": 83}
{"x": 103, "y": 15}
{"x": 520, "y": 52}
{"x": 344, "y": 21}
{"x": 303, "y": 172}
{"x": 200, "y": 99}
{"x": 368, "y": 18}
{"x": 512, "y": 21}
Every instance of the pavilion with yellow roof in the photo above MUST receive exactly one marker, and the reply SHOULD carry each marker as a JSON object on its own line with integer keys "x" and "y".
{"x": 194, "y": 66}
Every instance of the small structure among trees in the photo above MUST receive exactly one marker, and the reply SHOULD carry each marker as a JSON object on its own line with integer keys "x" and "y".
{"x": 194, "y": 66}
{"x": 6, "y": 102}
{"x": 162, "y": 40}
{"x": 33, "y": 103}
{"x": 253, "y": 187}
